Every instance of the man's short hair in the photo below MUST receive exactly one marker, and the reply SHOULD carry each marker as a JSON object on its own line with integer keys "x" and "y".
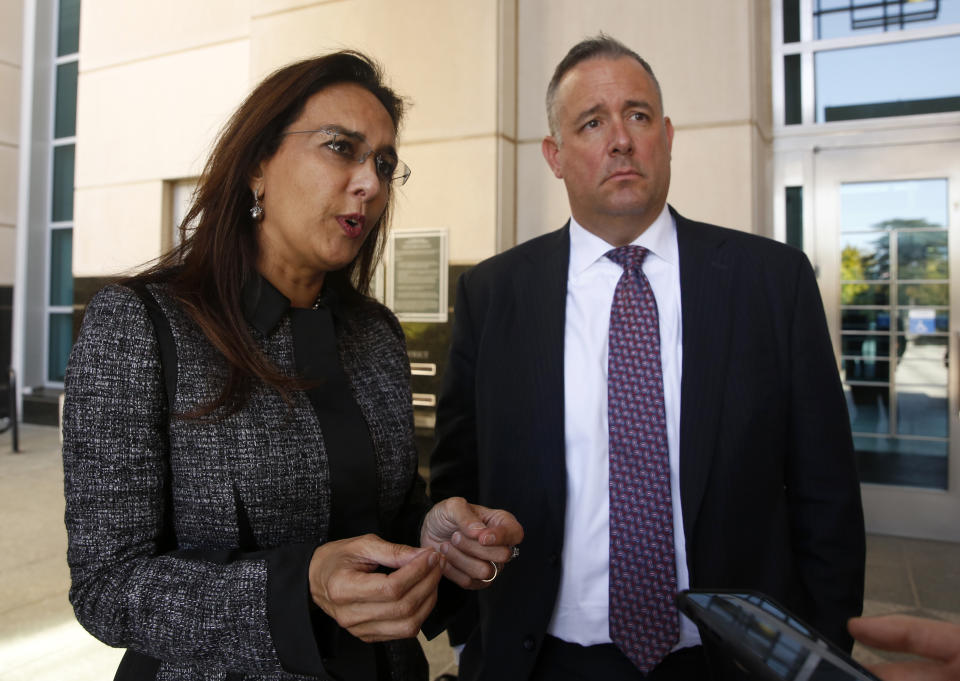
{"x": 601, "y": 46}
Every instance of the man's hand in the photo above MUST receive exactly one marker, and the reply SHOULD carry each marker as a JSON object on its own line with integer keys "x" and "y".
{"x": 371, "y": 605}
{"x": 476, "y": 541}
{"x": 938, "y": 642}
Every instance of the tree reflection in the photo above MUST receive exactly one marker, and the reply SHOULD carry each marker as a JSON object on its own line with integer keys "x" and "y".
{"x": 921, "y": 255}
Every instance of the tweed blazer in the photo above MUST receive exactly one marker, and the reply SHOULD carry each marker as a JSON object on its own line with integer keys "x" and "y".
{"x": 189, "y": 541}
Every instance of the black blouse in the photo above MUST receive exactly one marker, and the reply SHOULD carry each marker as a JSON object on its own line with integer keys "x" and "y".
{"x": 353, "y": 472}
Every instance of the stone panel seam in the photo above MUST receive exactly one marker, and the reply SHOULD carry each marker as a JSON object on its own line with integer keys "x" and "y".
{"x": 297, "y": 8}
{"x": 150, "y": 181}
{"x": 163, "y": 55}
{"x": 456, "y": 138}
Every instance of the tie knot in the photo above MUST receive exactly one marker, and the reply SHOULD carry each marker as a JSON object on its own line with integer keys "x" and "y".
{"x": 628, "y": 257}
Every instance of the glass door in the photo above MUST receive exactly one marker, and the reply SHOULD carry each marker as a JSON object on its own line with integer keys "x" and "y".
{"x": 886, "y": 254}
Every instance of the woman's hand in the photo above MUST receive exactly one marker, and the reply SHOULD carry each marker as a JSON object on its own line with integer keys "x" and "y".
{"x": 476, "y": 541}
{"x": 939, "y": 642}
{"x": 371, "y": 605}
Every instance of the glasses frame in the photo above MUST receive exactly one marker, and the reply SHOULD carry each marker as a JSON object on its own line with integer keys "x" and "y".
{"x": 401, "y": 172}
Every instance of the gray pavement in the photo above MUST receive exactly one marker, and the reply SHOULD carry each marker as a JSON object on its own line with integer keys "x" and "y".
{"x": 41, "y": 641}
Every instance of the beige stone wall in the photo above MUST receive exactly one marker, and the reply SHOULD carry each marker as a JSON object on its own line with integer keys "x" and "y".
{"x": 138, "y": 124}
{"x": 157, "y": 83}
{"x": 11, "y": 27}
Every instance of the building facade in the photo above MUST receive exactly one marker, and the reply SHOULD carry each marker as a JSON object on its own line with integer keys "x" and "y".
{"x": 867, "y": 181}
{"x": 753, "y": 150}
{"x": 11, "y": 20}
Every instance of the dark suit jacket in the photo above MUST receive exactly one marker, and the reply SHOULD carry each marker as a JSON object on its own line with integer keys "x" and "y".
{"x": 768, "y": 485}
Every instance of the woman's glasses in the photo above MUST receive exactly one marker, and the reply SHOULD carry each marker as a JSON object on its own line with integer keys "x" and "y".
{"x": 346, "y": 147}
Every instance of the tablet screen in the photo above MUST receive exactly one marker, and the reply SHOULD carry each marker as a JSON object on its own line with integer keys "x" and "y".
{"x": 767, "y": 639}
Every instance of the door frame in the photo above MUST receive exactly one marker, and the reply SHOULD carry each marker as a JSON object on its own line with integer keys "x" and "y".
{"x": 889, "y": 509}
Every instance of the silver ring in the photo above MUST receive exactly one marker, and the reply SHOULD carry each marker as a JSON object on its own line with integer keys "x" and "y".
{"x": 514, "y": 552}
{"x": 496, "y": 571}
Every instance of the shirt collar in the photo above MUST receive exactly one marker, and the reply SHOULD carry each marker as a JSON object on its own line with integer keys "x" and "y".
{"x": 660, "y": 238}
{"x": 263, "y": 305}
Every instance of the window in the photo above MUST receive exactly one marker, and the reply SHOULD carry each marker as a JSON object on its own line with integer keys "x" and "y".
{"x": 855, "y": 59}
{"x": 794, "y": 199}
{"x": 59, "y": 303}
{"x": 895, "y": 320}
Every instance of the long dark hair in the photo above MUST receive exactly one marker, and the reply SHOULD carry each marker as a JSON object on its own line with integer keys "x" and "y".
{"x": 207, "y": 270}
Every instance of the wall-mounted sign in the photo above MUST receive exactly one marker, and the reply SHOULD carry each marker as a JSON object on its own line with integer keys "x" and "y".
{"x": 417, "y": 275}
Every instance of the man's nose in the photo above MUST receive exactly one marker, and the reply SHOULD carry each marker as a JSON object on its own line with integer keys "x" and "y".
{"x": 620, "y": 140}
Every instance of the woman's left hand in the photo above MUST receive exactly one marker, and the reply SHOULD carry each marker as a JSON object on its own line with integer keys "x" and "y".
{"x": 477, "y": 541}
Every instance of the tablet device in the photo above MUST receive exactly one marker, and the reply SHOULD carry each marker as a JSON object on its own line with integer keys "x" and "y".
{"x": 767, "y": 639}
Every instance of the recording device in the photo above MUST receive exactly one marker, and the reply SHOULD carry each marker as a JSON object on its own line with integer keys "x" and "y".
{"x": 766, "y": 639}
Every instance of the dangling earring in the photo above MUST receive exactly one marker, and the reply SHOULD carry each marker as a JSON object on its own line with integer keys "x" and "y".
{"x": 257, "y": 211}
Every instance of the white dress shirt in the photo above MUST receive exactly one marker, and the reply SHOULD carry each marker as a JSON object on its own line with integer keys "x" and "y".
{"x": 581, "y": 613}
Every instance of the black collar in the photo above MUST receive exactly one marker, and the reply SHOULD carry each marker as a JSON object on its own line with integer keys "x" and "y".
{"x": 264, "y": 305}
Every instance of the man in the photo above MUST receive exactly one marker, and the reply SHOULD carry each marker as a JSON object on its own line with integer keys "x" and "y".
{"x": 657, "y": 402}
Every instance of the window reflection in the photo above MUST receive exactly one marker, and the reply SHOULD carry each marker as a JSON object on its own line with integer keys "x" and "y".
{"x": 923, "y": 294}
{"x": 58, "y": 350}
{"x": 894, "y": 339}
{"x": 893, "y": 79}
{"x": 865, "y": 294}
{"x": 865, "y": 320}
{"x": 61, "y": 256}
{"x": 866, "y": 256}
{"x": 841, "y": 18}
{"x": 922, "y": 255}
{"x": 62, "y": 199}
{"x": 893, "y": 205}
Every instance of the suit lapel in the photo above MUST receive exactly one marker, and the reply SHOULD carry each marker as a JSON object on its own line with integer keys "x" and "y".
{"x": 542, "y": 295}
{"x": 705, "y": 279}
{"x": 546, "y": 302}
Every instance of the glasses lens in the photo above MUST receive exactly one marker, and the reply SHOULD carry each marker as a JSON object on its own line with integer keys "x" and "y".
{"x": 388, "y": 167}
{"x": 342, "y": 146}
{"x": 401, "y": 174}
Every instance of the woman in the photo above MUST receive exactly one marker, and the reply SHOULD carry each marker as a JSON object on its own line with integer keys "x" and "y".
{"x": 240, "y": 473}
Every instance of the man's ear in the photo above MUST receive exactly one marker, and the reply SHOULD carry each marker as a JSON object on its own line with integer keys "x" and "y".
{"x": 668, "y": 125}
{"x": 551, "y": 152}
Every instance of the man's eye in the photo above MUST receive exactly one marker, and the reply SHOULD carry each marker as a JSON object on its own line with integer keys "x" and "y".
{"x": 386, "y": 166}
{"x": 639, "y": 116}
{"x": 591, "y": 124}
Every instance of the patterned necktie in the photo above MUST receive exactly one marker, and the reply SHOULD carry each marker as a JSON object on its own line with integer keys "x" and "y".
{"x": 643, "y": 582}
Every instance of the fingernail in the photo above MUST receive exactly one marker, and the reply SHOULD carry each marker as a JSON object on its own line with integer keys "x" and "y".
{"x": 487, "y": 540}
{"x": 444, "y": 548}
{"x": 456, "y": 538}
{"x": 433, "y": 559}
{"x": 477, "y": 526}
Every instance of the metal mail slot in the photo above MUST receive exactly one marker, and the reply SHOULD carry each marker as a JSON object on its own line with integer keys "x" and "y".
{"x": 424, "y": 400}
{"x": 423, "y": 368}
